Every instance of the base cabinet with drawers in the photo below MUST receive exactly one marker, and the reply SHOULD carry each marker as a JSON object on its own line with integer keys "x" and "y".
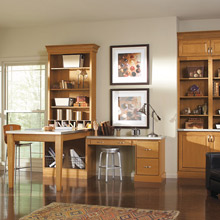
{"x": 149, "y": 155}
{"x": 149, "y": 160}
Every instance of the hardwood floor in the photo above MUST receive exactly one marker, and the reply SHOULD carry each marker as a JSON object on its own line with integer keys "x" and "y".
{"x": 189, "y": 196}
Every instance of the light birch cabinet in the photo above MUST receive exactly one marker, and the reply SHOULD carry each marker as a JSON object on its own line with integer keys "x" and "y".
{"x": 198, "y": 50}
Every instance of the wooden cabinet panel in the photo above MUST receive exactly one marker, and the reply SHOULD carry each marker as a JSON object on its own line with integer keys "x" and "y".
{"x": 215, "y": 47}
{"x": 216, "y": 142}
{"x": 192, "y": 149}
{"x": 147, "y": 149}
{"x": 110, "y": 142}
{"x": 194, "y": 47}
{"x": 147, "y": 166}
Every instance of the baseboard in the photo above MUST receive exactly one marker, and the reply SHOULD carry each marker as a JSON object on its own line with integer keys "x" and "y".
{"x": 171, "y": 175}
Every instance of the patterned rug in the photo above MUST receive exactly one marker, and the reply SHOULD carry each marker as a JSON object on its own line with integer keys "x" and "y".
{"x": 67, "y": 211}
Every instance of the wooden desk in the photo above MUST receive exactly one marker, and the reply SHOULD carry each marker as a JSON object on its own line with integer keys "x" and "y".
{"x": 58, "y": 137}
{"x": 149, "y": 155}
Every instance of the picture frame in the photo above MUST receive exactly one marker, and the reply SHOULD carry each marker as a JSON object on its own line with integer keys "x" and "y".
{"x": 129, "y": 64}
{"x": 125, "y": 104}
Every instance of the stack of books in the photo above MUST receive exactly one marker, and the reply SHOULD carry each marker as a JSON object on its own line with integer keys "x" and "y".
{"x": 82, "y": 101}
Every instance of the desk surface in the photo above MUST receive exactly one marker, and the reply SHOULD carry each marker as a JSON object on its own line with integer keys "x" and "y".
{"x": 39, "y": 131}
{"x": 127, "y": 137}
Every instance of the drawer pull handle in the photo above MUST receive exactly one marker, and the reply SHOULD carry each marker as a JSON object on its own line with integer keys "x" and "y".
{"x": 148, "y": 149}
{"x": 121, "y": 142}
{"x": 147, "y": 167}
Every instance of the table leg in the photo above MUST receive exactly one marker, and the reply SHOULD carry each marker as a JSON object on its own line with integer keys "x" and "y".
{"x": 59, "y": 160}
{"x": 11, "y": 161}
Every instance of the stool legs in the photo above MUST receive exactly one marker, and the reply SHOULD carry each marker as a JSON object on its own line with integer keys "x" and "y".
{"x": 113, "y": 162}
{"x": 119, "y": 161}
{"x": 100, "y": 164}
{"x": 17, "y": 160}
{"x": 6, "y": 160}
{"x": 107, "y": 167}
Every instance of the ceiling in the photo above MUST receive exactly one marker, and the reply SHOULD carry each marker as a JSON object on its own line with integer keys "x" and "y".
{"x": 26, "y": 13}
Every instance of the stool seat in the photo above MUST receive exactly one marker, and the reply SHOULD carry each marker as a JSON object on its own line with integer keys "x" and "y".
{"x": 110, "y": 151}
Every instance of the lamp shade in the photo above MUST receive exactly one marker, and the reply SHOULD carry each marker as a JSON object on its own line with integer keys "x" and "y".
{"x": 143, "y": 109}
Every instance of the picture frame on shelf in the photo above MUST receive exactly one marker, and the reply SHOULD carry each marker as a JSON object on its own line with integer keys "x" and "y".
{"x": 129, "y": 64}
{"x": 125, "y": 104}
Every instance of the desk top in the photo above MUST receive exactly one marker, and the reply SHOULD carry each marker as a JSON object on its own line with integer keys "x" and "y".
{"x": 127, "y": 137}
{"x": 40, "y": 131}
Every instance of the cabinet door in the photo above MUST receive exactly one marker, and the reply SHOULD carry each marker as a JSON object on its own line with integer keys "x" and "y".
{"x": 192, "y": 150}
{"x": 216, "y": 143}
{"x": 194, "y": 47}
{"x": 215, "y": 47}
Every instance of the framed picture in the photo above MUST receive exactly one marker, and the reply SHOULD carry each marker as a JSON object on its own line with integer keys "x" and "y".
{"x": 129, "y": 64}
{"x": 125, "y": 104}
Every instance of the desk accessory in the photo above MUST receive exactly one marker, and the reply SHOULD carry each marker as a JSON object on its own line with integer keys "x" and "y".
{"x": 143, "y": 110}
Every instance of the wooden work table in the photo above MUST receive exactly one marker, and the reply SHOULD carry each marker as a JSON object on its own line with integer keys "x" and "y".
{"x": 149, "y": 155}
{"x": 58, "y": 137}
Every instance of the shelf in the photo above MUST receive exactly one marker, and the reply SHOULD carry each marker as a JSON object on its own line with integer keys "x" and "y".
{"x": 217, "y": 78}
{"x": 198, "y": 78}
{"x": 216, "y": 97}
{"x": 191, "y": 115}
{"x": 194, "y": 97}
{"x": 72, "y": 107}
{"x": 71, "y": 68}
{"x": 216, "y": 115}
{"x": 78, "y": 89}
{"x": 68, "y": 120}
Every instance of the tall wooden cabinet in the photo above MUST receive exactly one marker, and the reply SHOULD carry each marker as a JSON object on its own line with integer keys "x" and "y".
{"x": 82, "y": 81}
{"x": 198, "y": 99}
{"x": 66, "y": 85}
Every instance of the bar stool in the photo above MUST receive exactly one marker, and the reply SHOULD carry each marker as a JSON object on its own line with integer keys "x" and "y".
{"x": 112, "y": 152}
{"x": 11, "y": 127}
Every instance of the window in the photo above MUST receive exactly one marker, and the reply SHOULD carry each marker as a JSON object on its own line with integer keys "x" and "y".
{"x": 25, "y": 99}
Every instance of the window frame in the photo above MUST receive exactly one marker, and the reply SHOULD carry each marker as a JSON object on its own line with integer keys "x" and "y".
{"x": 3, "y": 96}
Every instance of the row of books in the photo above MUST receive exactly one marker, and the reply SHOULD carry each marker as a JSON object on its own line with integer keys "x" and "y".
{"x": 106, "y": 129}
{"x": 64, "y": 84}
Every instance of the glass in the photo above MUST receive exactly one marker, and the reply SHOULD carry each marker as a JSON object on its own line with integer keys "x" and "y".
{"x": 25, "y": 99}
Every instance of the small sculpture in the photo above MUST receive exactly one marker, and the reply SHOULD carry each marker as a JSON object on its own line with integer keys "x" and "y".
{"x": 95, "y": 127}
{"x": 194, "y": 90}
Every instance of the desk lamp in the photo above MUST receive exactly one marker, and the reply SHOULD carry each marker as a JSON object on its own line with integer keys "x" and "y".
{"x": 143, "y": 110}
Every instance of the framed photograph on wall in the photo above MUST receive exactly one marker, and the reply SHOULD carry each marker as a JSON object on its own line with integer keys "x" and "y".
{"x": 129, "y": 64}
{"x": 125, "y": 104}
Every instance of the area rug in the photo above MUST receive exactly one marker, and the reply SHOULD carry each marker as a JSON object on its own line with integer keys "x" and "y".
{"x": 68, "y": 211}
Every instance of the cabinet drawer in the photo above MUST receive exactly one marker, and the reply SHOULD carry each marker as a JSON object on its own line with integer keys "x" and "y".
{"x": 110, "y": 142}
{"x": 148, "y": 149}
{"x": 147, "y": 166}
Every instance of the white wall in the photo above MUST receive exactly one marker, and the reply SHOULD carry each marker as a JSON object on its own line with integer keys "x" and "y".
{"x": 160, "y": 33}
{"x": 199, "y": 25}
